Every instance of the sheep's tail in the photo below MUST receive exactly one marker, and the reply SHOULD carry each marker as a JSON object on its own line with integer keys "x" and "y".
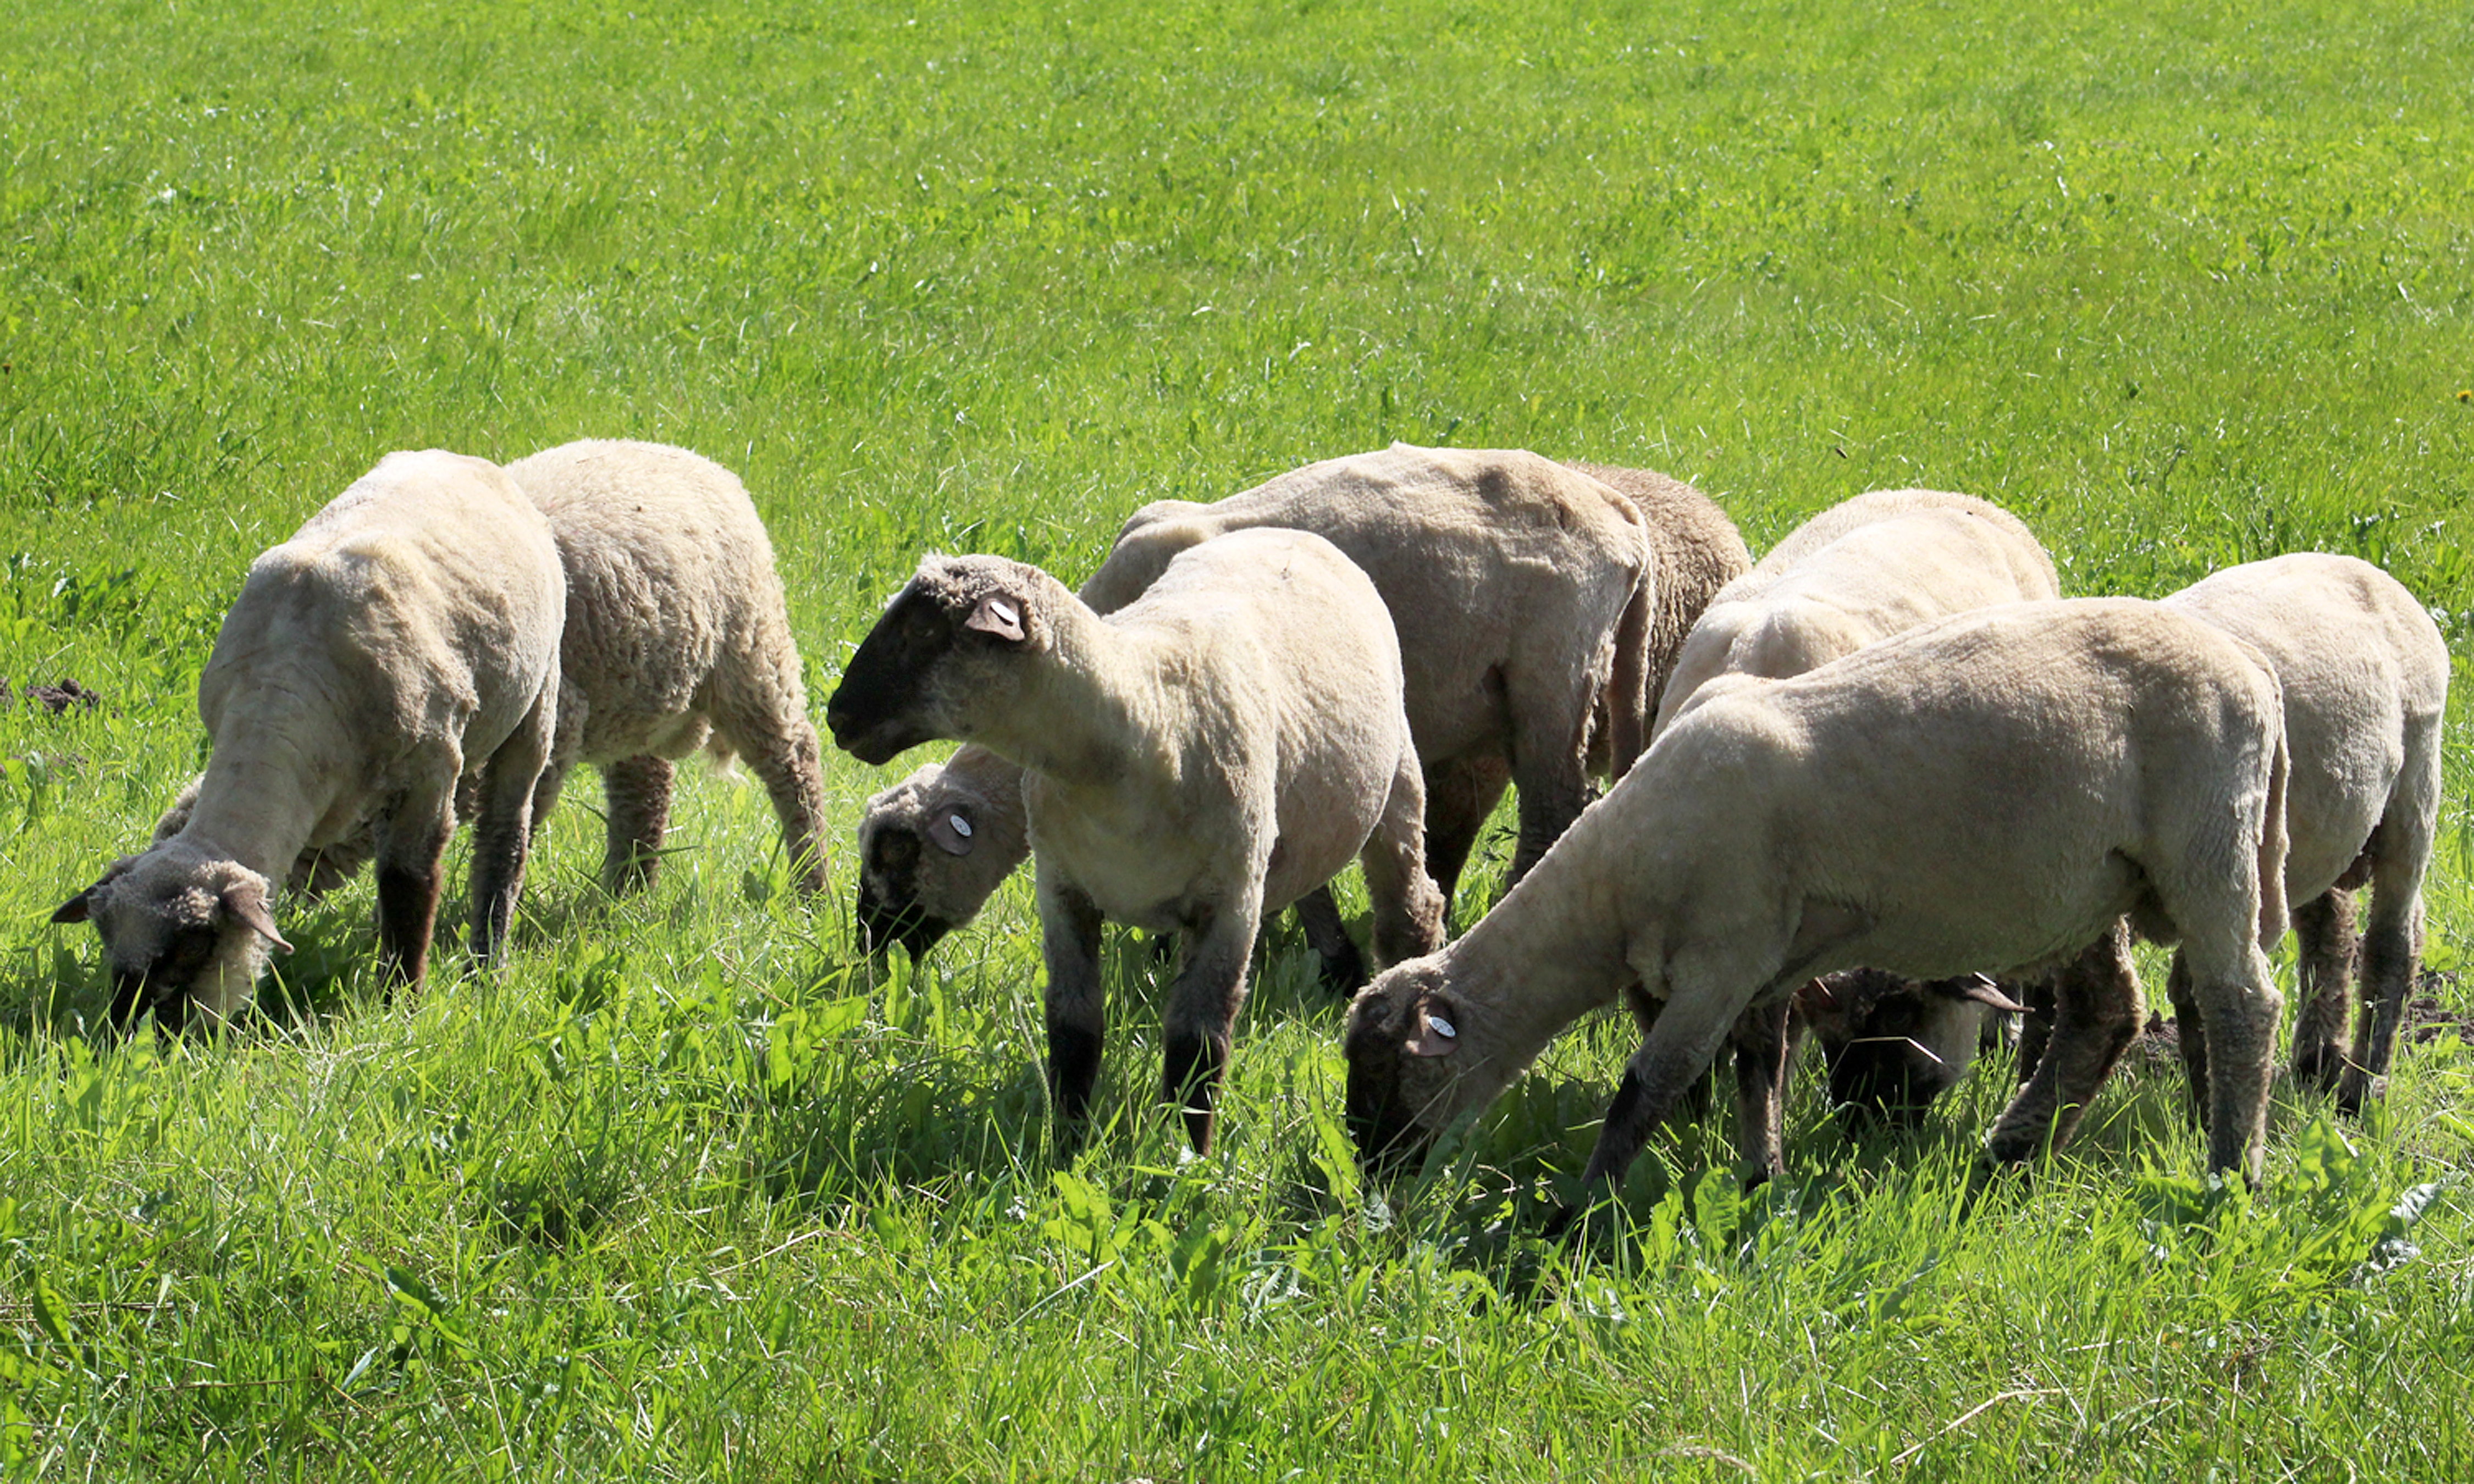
{"x": 1628, "y": 694}
{"x": 2273, "y": 913}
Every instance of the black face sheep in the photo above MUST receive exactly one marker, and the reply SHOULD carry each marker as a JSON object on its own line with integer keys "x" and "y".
{"x": 1214, "y": 750}
{"x": 1995, "y": 789}
{"x": 1526, "y": 595}
{"x": 408, "y": 631}
{"x": 677, "y": 639}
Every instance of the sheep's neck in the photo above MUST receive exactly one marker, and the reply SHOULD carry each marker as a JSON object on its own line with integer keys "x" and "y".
{"x": 259, "y": 801}
{"x": 1097, "y": 691}
{"x": 1551, "y": 952}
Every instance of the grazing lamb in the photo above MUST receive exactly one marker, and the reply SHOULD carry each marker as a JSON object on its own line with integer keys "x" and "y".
{"x": 408, "y": 632}
{"x": 1878, "y": 564}
{"x": 677, "y": 639}
{"x": 1996, "y": 789}
{"x": 2365, "y": 677}
{"x": 1215, "y": 749}
{"x": 1505, "y": 574}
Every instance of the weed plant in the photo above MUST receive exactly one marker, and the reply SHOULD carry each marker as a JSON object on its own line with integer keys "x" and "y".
{"x": 687, "y": 1190}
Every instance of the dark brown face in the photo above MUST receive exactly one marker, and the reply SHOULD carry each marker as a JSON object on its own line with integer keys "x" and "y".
{"x": 163, "y": 986}
{"x": 1383, "y": 1106}
{"x": 888, "y": 906}
{"x": 875, "y": 712}
{"x": 1893, "y": 1045}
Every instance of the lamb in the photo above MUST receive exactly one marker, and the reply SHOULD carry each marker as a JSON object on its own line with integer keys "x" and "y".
{"x": 1505, "y": 574}
{"x": 677, "y": 639}
{"x": 1213, "y": 750}
{"x": 1872, "y": 567}
{"x": 1875, "y": 565}
{"x": 2365, "y": 677}
{"x": 407, "y": 630}
{"x": 1996, "y": 789}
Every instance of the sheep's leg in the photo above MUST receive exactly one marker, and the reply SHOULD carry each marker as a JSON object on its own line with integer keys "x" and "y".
{"x": 1694, "y": 1023}
{"x": 2324, "y": 927}
{"x": 2036, "y": 1026}
{"x": 502, "y": 825}
{"x": 2191, "y": 1035}
{"x": 412, "y": 841}
{"x": 2400, "y": 850}
{"x": 1201, "y": 1014}
{"x": 638, "y": 797}
{"x": 2096, "y": 1014}
{"x": 1460, "y": 795}
{"x": 1694, "y": 1105}
{"x": 772, "y": 733}
{"x": 1408, "y": 907}
{"x": 1344, "y": 967}
{"x": 2238, "y": 1006}
{"x": 1077, "y": 1011}
{"x": 1760, "y": 1041}
{"x": 2391, "y": 948}
{"x": 1549, "y": 766}
{"x": 566, "y": 742}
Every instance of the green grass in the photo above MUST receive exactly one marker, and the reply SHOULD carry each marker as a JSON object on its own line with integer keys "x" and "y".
{"x": 679, "y": 1193}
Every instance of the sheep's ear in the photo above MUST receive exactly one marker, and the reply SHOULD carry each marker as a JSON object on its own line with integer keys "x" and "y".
{"x": 1432, "y": 1031}
{"x": 81, "y": 907}
{"x": 999, "y": 615}
{"x": 1984, "y": 992}
{"x": 247, "y": 906}
{"x": 952, "y": 830}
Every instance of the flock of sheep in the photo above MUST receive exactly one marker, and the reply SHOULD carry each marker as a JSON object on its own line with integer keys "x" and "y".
{"x": 1876, "y": 788}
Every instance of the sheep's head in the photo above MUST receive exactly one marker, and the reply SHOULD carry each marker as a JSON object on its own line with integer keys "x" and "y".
{"x": 930, "y": 853}
{"x": 946, "y": 650}
{"x": 1410, "y": 1070}
{"x": 1893, "y": 1045}
{"x": 179, "y": 928}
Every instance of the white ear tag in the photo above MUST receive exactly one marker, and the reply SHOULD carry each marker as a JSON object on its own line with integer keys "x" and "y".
{"x": 1006, "y": 614}
{"x": 961, "y": 825}
{"x": 1440, "y": 1026}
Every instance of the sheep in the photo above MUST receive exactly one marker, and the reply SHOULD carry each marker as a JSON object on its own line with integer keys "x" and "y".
{"x": 1869, "y": 567}
{"x": 677, "y": 639}
{"x": 407, "y": 629}
{"x": 1998, "y": 788}
{"x": 1504, "y": 572}
{"x": 2365, "y": 677}
{"x": 1213, "y": 750}
{"x": 2364, "y": 673}
{"x": 1875, "y": 565}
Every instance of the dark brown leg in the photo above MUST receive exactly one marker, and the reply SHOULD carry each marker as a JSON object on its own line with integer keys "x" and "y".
{"x": 2324, "y": 927}
{"x": 2097, "y": 1013}
{"x": 639, "y": 800}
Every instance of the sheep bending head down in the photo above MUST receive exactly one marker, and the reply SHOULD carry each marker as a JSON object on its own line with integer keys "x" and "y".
{"x": 407, "y": 635}
{"x": 1217, "y": 749}
{"x": 1995, "y": 790}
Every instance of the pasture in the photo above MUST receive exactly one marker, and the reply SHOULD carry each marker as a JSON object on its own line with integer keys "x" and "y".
{"x": 684, "y": 1191}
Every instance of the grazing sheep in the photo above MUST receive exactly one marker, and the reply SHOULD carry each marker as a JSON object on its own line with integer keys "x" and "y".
{"x": 1215, "y": 749}
{"x": 677, "y": 639}
{"x": 1505, "y": 574}
{"x": 408, "y": 632}
{"x": 1860, "y": 571}
{"x": 1996, "y": 789}
{"x": 2365, "y": 677}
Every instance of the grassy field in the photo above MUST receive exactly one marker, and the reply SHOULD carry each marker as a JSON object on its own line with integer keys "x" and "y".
{"x": 681, "y": 1193}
